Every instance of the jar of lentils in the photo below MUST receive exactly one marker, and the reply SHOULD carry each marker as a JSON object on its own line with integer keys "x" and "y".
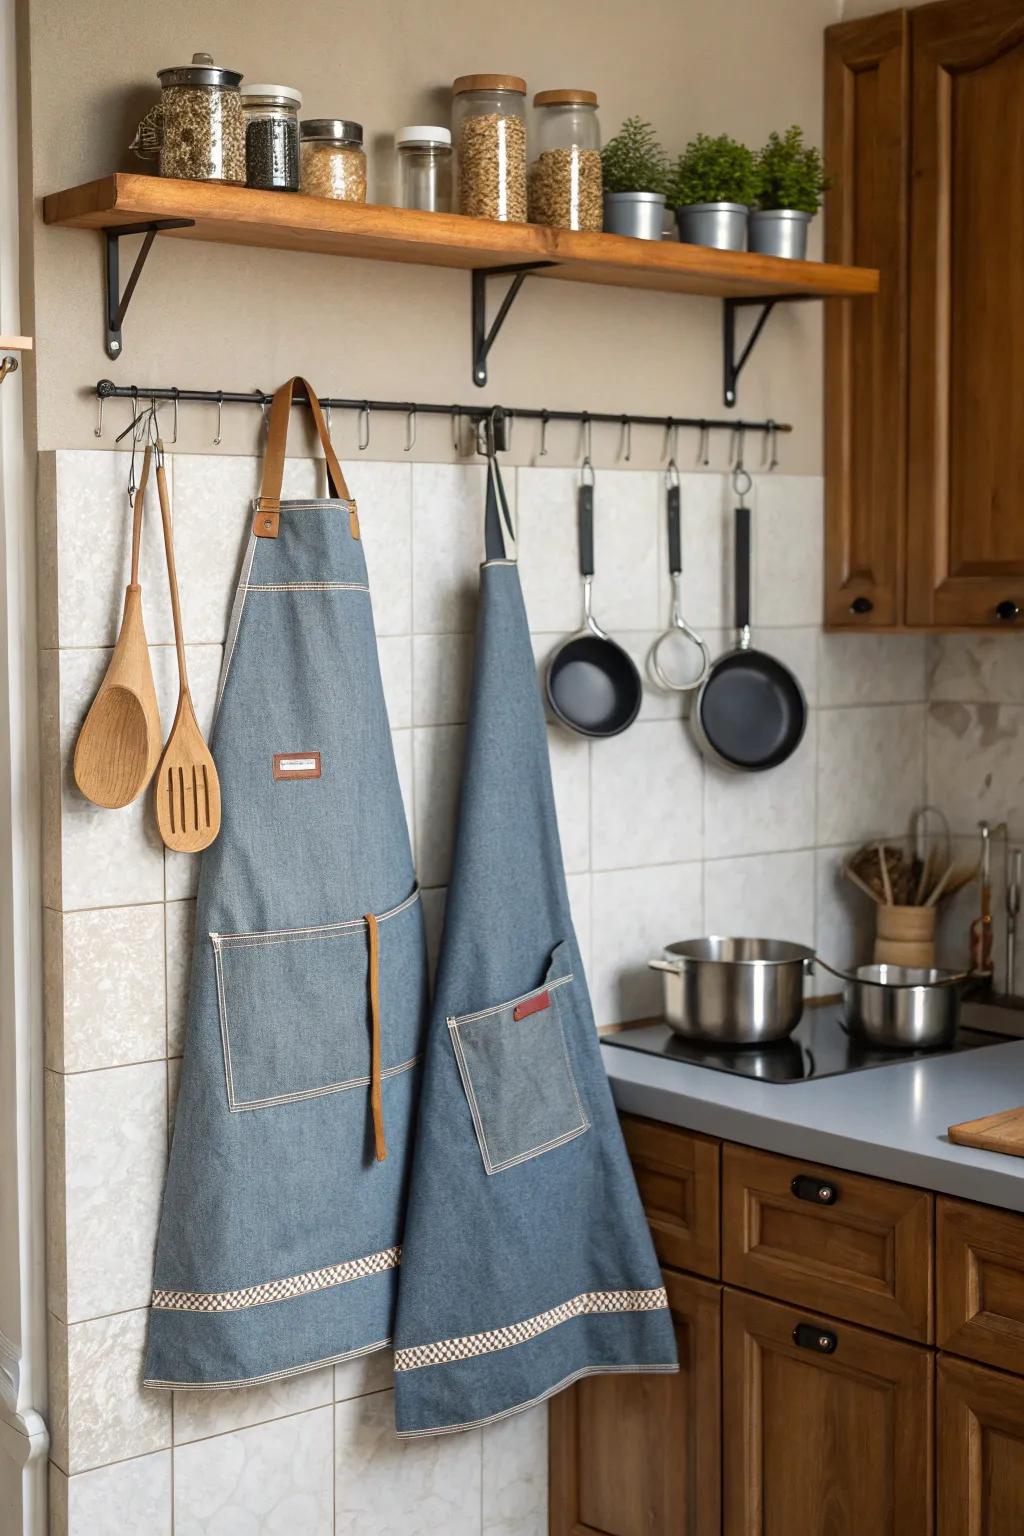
{"x": 565, "y": 175}
{"x": 203, "y": 133}
{"x": 332, "y": 161}
{"x": 271, "y": 137}
{"x": 489, "y": 127}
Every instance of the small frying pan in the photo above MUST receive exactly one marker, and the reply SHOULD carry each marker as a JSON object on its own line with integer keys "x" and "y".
{"x": 750, "y": 713}
{"x": 593, "y": 685}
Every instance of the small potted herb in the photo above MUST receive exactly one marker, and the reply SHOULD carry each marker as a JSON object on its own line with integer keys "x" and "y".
{"x": 711, "y": 187}
{"x": 633, "y": 171}
{"x": 790, "y": 182}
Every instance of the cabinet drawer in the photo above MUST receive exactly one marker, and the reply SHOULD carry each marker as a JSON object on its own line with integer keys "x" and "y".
{"x": 980, "y": 1283}
{"x": 677, "y": 1175}
{"x": 851, "y": 1246}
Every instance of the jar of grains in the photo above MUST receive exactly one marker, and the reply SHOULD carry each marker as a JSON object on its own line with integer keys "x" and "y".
{"x": 271, "y": 137}
{"x": 425, "y": 168}
{"x": 203, "y": 134}
{"x": 565, "y": 175}
{"x": 332, "y": 161}
{"x": 489, "y": 126}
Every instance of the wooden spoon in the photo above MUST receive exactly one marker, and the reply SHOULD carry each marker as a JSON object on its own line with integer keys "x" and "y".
{"x": 119, "y": 743}
{"x": 187, "y": 786}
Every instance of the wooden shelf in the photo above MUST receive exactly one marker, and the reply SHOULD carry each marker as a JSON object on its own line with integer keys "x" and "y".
{"x": 290, "y": 221}
{"x": 15, "y": 343}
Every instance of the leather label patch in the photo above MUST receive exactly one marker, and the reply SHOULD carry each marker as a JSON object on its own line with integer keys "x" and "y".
{"x": 532, "y": 1005}
{"x": 296, "y": 765}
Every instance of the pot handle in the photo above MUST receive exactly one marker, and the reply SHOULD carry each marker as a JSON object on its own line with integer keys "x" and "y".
{"x": 662, "y": 965}
{"x": 843, "y": 975}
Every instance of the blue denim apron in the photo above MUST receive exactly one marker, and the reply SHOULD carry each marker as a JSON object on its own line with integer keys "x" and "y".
{"x": 527, "y": 1261}
{"x": 281, "y": 1224}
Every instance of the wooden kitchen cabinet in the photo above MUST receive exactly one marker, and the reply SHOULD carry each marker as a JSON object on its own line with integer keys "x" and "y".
{"x": 855, "y": 1247}
{"x": 980, "y": 1451}
{"x": 827, "y": 1428}
{"x": 639, "y": 1455}
{"x": 980, "y": 1283}
{"x": 677, "y": 1176}
{"x": 924, "y": 456}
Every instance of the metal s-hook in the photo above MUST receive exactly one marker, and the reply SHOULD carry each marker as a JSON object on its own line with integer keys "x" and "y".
{"x": 410, "y": 429}
{"x": 741, "y": 482}
{"x": 739, "y": 438}
{"x": 671, "y": 475}
{"x": 704, "y": 445}
{"x": 456, "y": 434}
{"x": 220, "y": 419}
{"x": 544, "y": 419}
{"x": 174, "y": 425}
{"x": 97, "y": 430}
{"x": 770, "y": 449}
{"x": 626, "y": 440}
{"x": 363, "y": 441}
{"x": 670, "y": 448}
{"x": 329, "y": 417}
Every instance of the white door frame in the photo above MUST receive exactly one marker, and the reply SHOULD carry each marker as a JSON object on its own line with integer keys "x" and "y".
{"x": 23, "y": 1436}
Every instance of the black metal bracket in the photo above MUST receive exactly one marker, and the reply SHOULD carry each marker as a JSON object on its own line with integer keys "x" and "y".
{"x": 732, "y": 366}
{"x": 117, "y": 302}
{"x": 484, "y": 339}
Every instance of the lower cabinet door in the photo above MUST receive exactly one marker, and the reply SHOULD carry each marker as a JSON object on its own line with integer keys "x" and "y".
{"x": 827, "y": 1428}
{"x": 639, "y": 1455}
{"x": 981, "y": 1450}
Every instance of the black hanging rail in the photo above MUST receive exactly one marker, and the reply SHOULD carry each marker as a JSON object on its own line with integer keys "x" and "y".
{"x": 143, "y": 395}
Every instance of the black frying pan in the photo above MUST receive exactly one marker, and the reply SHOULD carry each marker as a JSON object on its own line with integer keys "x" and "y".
{"x": 751, "y": 712}
{"x": 593, "y": 685}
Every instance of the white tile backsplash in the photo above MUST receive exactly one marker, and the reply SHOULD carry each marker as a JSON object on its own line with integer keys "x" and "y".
{"x": 658, "y": 845}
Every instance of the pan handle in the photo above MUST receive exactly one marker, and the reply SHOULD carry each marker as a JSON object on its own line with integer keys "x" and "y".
{"x": 675, "y": 542}
{"x": 743, "y": 572}
{"x": 662, "y": 965}
{"x": 585, "y": 523}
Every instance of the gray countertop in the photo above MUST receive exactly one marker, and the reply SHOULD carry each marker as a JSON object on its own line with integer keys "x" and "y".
{"x": 890, "y": 1121}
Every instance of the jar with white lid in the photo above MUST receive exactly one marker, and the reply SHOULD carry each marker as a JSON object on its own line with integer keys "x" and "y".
{"x": 332, "y": 161}
{"x": 425, "y": 168}
{"x": 271, "y": 137}
{"x": 203, "y": 125}
{"x": 565, "y": 174}
{"x": 489, "y": 129}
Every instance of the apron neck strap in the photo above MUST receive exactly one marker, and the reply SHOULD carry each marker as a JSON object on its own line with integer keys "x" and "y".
{"x": 499, "y": 533}
{"x": 268, "y": 502}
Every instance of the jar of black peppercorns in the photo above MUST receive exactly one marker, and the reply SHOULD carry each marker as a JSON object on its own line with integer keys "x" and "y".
{"x": 271, "y": 137}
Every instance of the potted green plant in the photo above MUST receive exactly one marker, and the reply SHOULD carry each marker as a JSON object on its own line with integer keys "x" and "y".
{"x": 633, "y": 171}
{"x": 711, "y": 187}
{"x": 790, "y": 182}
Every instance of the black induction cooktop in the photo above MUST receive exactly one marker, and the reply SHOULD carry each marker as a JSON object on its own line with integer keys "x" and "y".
{"x": 819, "y": 1046}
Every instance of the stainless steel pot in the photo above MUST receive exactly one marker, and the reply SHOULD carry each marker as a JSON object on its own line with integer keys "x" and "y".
{"x": 902, "y": 1008}
{"x": 733, "y": 991}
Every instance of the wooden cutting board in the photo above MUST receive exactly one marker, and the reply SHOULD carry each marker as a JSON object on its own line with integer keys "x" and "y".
{"x": 1003, "y": 1132}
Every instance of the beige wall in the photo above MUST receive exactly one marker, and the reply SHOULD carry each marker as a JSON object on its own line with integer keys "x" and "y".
{"x": 209, "y": 316}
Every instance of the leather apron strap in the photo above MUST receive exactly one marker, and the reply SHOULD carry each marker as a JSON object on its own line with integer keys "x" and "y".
{"x": 267, "y": 506}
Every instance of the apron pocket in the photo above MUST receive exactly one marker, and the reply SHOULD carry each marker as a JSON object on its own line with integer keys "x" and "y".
{"x": 295, "y": 1006}
{"x": 515, "y": 1068}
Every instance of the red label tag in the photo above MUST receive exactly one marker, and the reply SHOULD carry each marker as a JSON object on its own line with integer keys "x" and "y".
{"x": 532, "y": 1005}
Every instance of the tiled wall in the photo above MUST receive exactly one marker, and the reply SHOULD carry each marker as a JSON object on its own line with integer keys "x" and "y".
{"x": 657, "y": 847}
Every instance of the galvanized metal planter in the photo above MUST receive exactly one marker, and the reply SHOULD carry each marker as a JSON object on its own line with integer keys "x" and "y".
{"x": 722, "y": 225}
{"x": 778, "y": 232}
{"x": 640, "y": 214}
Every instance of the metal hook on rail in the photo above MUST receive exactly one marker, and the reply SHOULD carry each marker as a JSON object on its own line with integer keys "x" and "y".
{"x": 626, "y": 441}
{"x": 544, "y": 419}
{"x": 97, "y": 430}
{"x": 174, "y": 424}
{"x": 220, "y": 419}
{"x": 670, "y": 449}
{"x": 739, "y": 437}
{"x": 587, "y": 439}
{"x": 410, "y": 429}
{"x": 363, "y": 441}
{"x": 703, "y": 445}
{"x": 770, "y": 451}
{"x": 456, "y": 433}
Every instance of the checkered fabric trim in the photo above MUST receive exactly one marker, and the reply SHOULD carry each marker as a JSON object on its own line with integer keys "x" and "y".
{"x": 278, "y": 1290}
{"x": 445, "y": 1351}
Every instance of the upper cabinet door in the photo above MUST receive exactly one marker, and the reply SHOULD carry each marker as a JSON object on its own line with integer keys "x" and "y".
{"x": 965, "y": 562}
{"x": 866, "y": 112}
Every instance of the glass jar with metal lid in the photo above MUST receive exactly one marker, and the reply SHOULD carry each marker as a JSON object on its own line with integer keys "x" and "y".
{"x": 332, "y": 161}
{"x": 489, "y": 128}
{"x": 271, "y": 137}
{"x": 425, "y": 168}
{"x": 203, "y": 129}
{"x": 565, "y": 173}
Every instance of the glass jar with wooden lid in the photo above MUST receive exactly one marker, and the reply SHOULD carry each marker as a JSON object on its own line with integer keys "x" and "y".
{"x": 489, "y": 129}
{"x": 565, "y": 173}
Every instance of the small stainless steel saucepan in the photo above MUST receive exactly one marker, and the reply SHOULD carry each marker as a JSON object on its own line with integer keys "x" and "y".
{"x": 733, "y": 991}
{"x": 901, "y": 1008}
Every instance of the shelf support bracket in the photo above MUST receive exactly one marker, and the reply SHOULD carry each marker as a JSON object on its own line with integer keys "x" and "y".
{"x": 117, "y": 302}
{"x": 484, "y": 339}
{"x": 733, "y": 365}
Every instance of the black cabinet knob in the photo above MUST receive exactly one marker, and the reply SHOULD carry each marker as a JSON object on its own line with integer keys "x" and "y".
{"x": 1007, "y": 610}
{"x": 818, "y": 1191}
{"x": 810, "y": 1336}
{"x": 861, "y": 605}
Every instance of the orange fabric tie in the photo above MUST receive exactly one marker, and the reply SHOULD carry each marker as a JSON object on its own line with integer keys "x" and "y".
{"x": 376, "y": 1098}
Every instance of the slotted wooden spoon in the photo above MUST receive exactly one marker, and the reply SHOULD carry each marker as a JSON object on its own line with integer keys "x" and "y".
{"x": 187, "y": 786}
{"x": 119, "y": 743}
